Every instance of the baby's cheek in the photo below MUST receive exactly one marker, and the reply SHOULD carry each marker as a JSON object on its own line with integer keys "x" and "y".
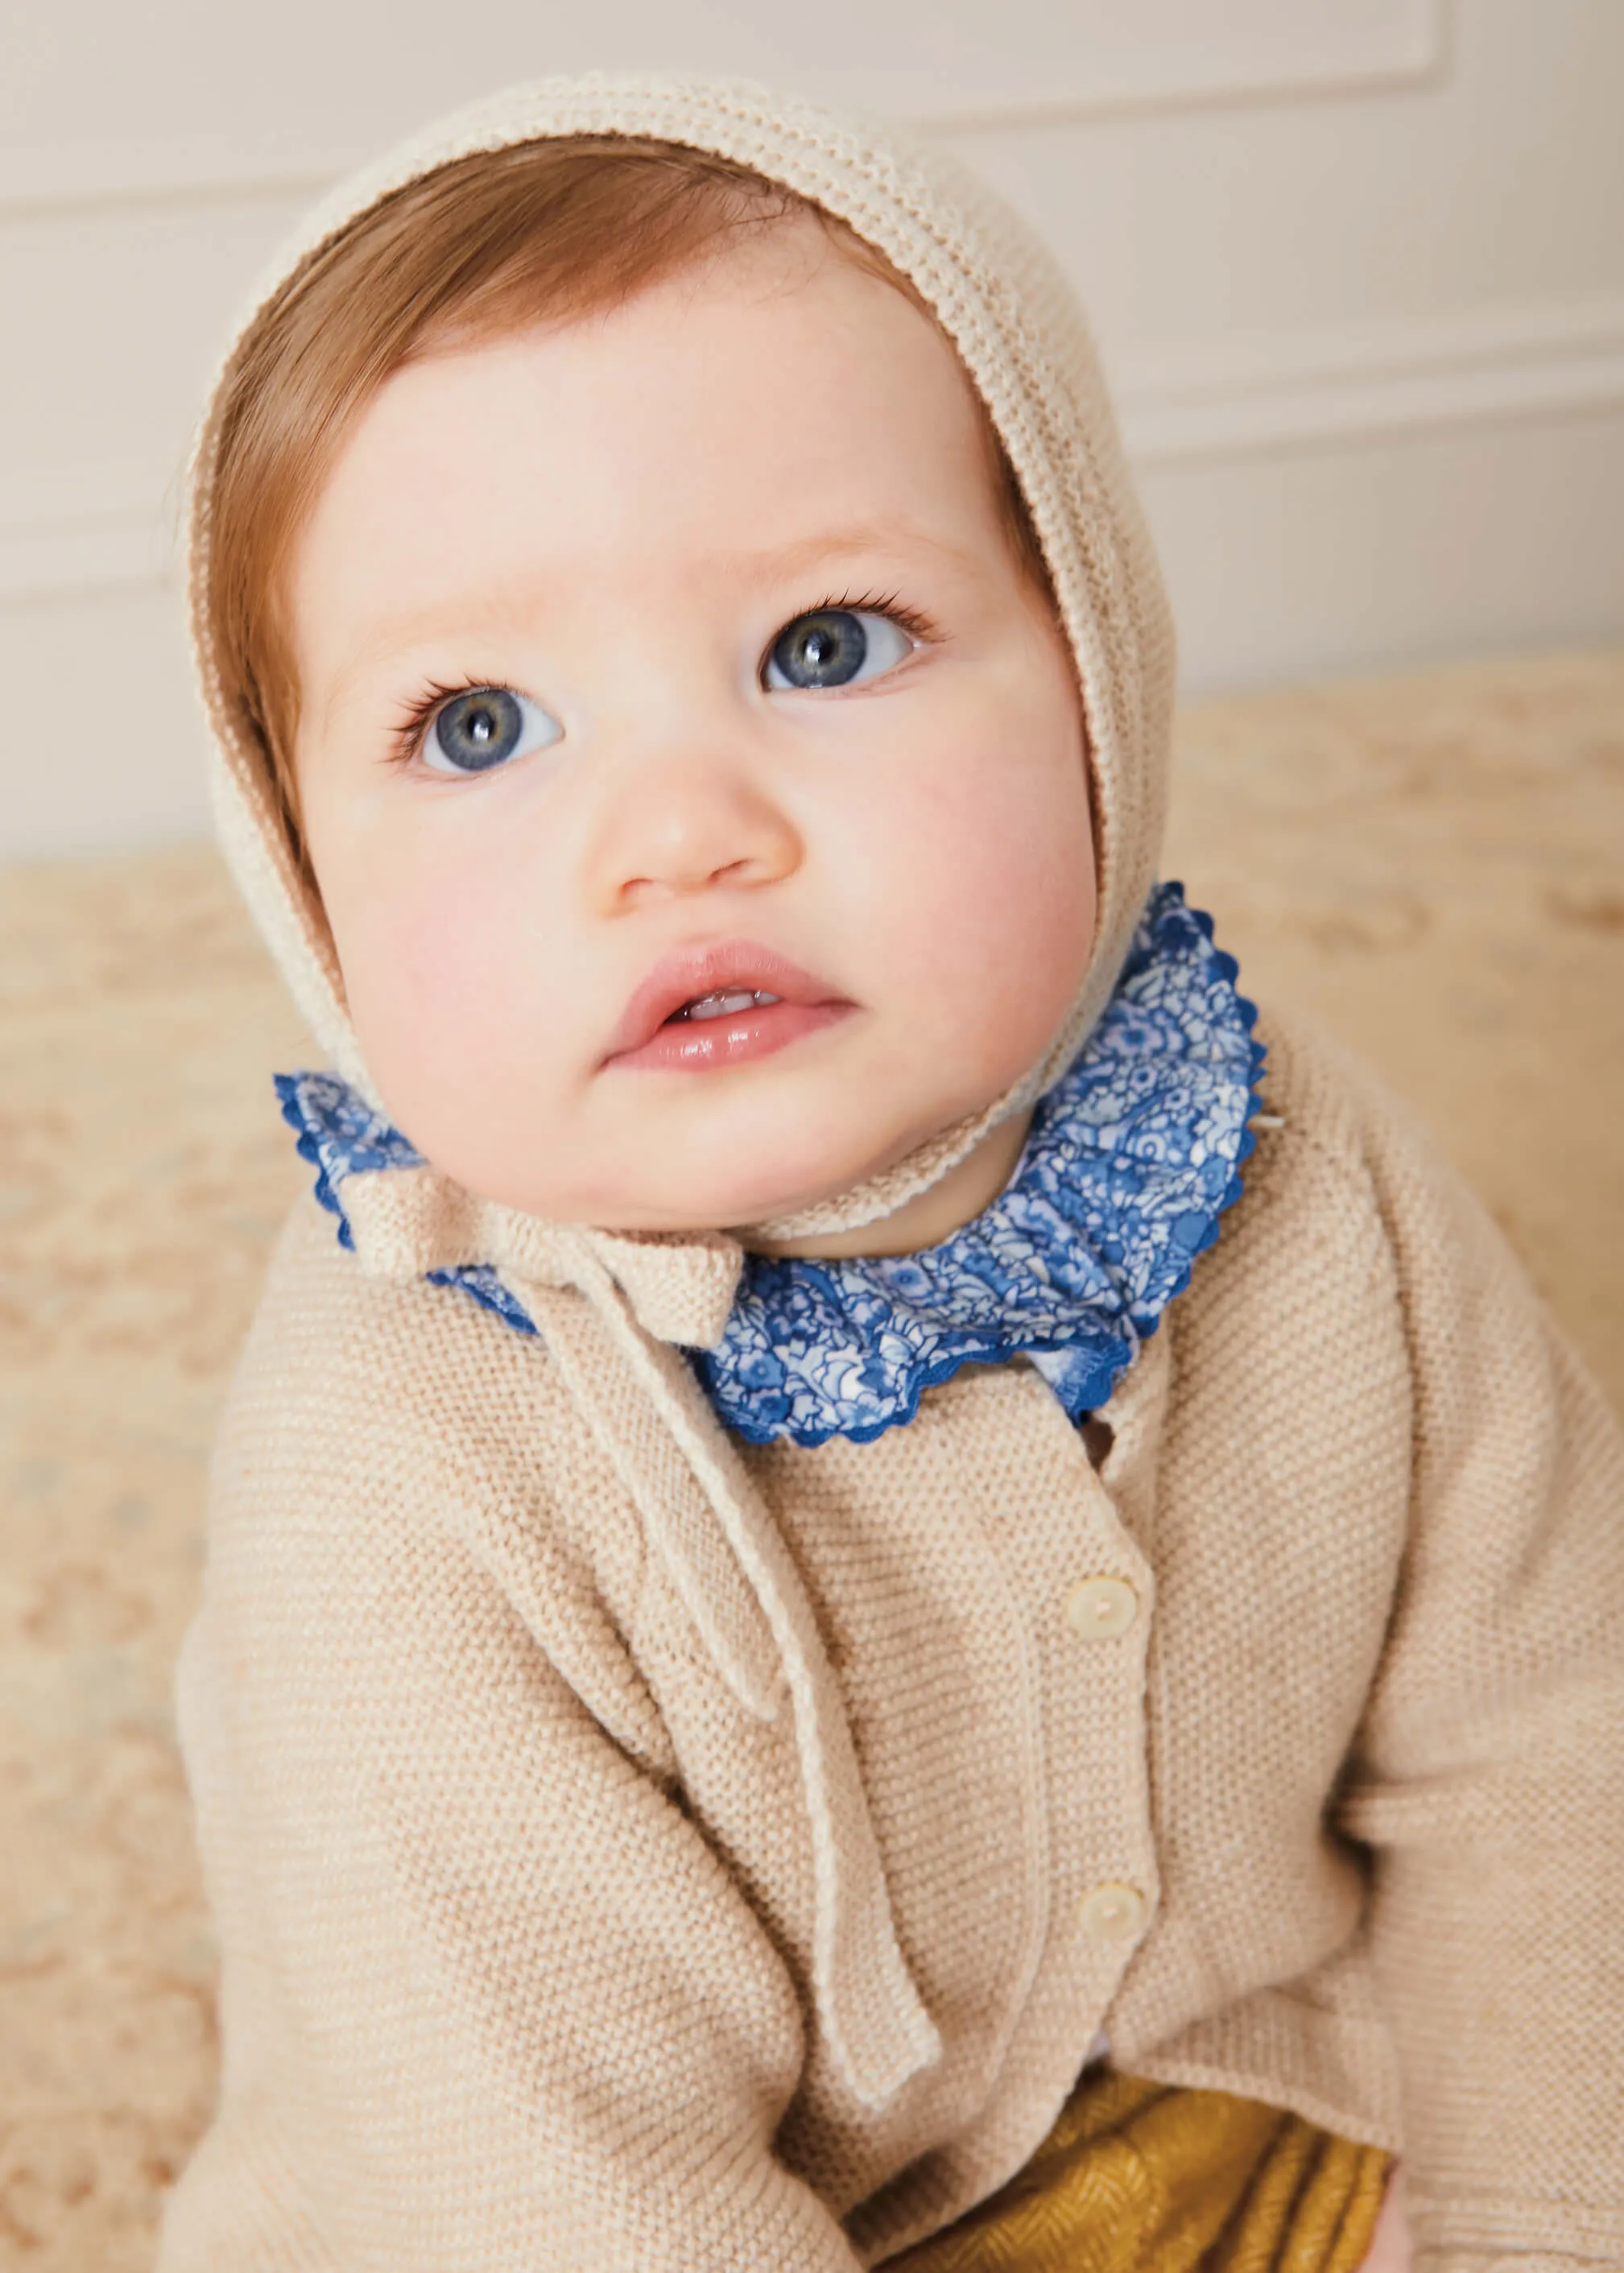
{"x": 449, "y": 1004}
{"x": 996, "y": 922}
{"x": 426, "y": 942}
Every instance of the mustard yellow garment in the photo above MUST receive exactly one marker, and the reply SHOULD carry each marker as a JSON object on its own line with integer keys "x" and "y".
{"x": 1137, "y": 2178}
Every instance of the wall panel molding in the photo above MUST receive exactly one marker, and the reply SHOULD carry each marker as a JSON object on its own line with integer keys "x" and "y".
{"x": 1185, "y": 56}
{"x": 1389, "y": 379}
{"x": 85, "y": 528}
{"x": 1093, "y": 60}
{"x": 94, "y": 526}
{"x": 70, "y": 177}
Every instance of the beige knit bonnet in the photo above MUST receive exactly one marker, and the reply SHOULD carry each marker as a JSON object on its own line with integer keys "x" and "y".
{"x": 1001, "y": 299}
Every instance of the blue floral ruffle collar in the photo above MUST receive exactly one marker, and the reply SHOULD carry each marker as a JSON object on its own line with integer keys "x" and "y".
{"x": 1130, "y": 1160}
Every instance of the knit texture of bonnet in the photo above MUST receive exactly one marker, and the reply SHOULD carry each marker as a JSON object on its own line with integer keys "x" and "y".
{"x": 1002, "y": 301}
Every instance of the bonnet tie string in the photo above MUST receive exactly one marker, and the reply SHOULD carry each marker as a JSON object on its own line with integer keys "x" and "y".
{"x": 879, "y": 2030}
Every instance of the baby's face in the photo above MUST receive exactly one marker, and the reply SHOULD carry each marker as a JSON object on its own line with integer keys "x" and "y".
{"x": 695, "y": 783}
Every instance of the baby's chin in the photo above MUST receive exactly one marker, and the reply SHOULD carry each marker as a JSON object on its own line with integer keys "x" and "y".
{"x": 745, "y": 1206}
{"x": 722, "y": 1189}
{"x": 712, "y": 1203}
{"x": 716, "y": 1155}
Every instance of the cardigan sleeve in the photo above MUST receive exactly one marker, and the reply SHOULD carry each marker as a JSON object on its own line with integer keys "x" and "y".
{"x": 490, "y": 2001}
{"x": 1489, "y": 1774}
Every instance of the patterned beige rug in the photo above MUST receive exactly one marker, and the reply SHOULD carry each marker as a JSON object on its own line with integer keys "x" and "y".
{"x": 1434, "y": 866}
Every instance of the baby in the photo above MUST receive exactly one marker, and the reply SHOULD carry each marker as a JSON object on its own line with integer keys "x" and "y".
{"x": 840, "y": 1629}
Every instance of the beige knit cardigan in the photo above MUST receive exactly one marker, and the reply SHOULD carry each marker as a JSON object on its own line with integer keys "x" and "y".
{"x": 632, "y": 1849}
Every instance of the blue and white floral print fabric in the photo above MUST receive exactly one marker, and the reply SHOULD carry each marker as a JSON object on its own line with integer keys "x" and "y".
{"x": 1130, "y": 1160}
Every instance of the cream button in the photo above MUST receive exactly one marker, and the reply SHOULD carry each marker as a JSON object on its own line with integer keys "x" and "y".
{"x": 1099, "y": 1610}
{"x": 1111, "y": 1913}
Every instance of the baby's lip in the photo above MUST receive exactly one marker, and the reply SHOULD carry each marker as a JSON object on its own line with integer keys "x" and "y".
{"x": 686, "y": 973}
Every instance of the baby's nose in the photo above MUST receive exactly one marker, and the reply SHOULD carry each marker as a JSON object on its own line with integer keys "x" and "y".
{"x": 674, "y": 831}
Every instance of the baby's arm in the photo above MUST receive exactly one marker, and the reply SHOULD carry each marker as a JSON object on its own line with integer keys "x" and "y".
{"x": 1490, "y": 1771}
{"x": 490, "y": 2000}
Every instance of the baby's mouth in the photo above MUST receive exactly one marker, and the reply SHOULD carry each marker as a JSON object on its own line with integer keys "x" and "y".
{"x": 721, "y": 1005}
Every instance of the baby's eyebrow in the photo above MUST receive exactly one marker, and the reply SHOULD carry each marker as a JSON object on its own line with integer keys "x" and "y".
{"x": 896, "y": 538}
{"x": 380, "y": 640}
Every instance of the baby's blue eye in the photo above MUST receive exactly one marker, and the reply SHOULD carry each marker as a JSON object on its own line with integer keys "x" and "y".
{"x": 484, "y": 728}
{"x": 834, "y": 647}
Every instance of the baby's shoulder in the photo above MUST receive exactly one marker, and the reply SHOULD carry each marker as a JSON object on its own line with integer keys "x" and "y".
{"x": 344, "y": 1364}
{"x": 1335, "y": 1152}
{"x": 1352, "y": 1230}
{"x": 374, "y": 1424}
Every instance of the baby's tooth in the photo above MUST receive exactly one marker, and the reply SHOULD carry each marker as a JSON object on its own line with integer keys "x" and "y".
{"x": 721, "y": 1006}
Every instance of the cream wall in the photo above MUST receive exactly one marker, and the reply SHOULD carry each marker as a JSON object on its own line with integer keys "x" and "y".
{"x": 1357, "y": 268}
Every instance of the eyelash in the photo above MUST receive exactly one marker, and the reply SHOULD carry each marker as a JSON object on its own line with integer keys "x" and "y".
{"x": 875, "y": 604}
{"x": 406, "y": 736}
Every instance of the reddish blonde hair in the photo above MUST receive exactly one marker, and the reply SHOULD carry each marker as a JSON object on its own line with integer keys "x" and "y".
{"x": 549, "y": 230}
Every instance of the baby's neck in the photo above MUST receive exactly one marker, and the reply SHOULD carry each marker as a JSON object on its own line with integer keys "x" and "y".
{"x": 931, "y": 1216}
